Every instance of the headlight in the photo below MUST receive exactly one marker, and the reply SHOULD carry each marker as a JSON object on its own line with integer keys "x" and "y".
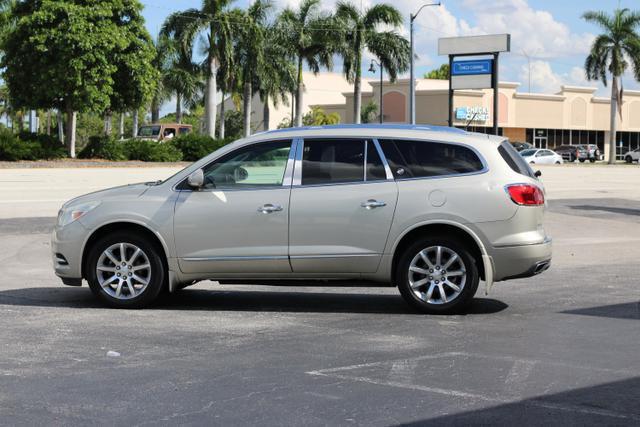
{"x": 71, "y": 213}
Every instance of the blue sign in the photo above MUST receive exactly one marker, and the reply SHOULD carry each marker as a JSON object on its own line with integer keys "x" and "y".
{"x": 472, "y": 68}
{"x": 461, "y": 113}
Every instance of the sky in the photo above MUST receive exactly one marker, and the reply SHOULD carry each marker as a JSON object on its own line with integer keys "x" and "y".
{"x": 550, "y": 32}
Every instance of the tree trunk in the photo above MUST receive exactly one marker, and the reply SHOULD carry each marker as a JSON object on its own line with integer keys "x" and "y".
{"x": 266, "y": 113}
{"x": 357, "y": 91}
{"x": 178, "y": 107}
{"x": 246, "y": 108}
{"x": 155, "y": 111}
{"x": 222, "y": 118}
{"x": 108, "y": 123}
{"x": 614, "y": 113}
{"x": 299, "y": 94}
{"x": 135, "y": 124}
{"x": 71, "y": 131}
{"x": 210, "y": 97}
{"x": 49, "y": 122}
{"x": 121, "y": 133}
{"x": 60, "y": 127}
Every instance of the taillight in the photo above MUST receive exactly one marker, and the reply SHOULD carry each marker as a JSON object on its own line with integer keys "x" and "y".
{"x": 525, "y": 194}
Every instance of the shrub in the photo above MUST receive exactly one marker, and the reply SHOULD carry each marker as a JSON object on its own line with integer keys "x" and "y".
{"x": 28, "y": 146}
{"x": 194, "y": 146}
{"x": 103, "y": 147}
{"x": 151, "y": 151}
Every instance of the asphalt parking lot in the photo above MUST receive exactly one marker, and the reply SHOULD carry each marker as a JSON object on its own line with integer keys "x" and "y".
{"x": 558, "y": 349}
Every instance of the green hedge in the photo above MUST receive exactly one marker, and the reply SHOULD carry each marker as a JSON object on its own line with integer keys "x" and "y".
{"x": 27, "y": 146}
{"x": 103, "y": 147}
{"x": 194, "y": 146}
{"x": 151, "y": 151}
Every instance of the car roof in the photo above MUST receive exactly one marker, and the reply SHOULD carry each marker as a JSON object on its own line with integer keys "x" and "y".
{"x": 440, "y": 133}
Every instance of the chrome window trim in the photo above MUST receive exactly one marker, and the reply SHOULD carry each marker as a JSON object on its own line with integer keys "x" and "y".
{"x": 364, "y": 165}
{"x": 290, "y": 163}
{"x": 485, "y": 167}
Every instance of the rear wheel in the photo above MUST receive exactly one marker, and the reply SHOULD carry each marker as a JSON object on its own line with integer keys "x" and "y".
{"x": 628, "y": 159}
{"x": 437, "y": 275}
{"x": 582, "y": 160}
{"x": 125, "y": 271}
{"x": 557, "y": 162}
{"x": 592, "y": 160}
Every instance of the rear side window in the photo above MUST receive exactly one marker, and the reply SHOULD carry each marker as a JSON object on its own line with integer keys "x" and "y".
{"x": 514, "y": 160}
{"x": 375, "y": 168}
{"x": 417, "y": 159}
{"x": 332, "y": 161}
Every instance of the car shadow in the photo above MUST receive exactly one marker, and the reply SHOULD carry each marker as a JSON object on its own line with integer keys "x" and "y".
{"x": 241, "y": 300}
{"x": 610, "y": 209}
{"x": 629, "y": 310}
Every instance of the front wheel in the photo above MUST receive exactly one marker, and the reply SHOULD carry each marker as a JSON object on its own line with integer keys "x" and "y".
{"x": 125, "y": 271}
{"x": 628, "y": 159}
{"x": 592, "y": 160}
{"x": 437, "y": 275}
{"x": 558, "y": 162}
{"x": 582, "y": 160}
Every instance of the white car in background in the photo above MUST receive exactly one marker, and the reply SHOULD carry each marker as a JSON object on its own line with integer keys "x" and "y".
{"x": 632, "y": 156}
{"x": 541, "y": 157}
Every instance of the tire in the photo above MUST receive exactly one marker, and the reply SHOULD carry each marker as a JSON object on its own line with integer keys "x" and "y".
{"x": 144, "y": 270}
{"x": 532, "y": 163}
{"x": 414, "y": 257}
{"x": 628, "y": 159}
{"x": 582, "y": 160}
{"x": 558, "y": 163}
{"x": 592, "y": 160}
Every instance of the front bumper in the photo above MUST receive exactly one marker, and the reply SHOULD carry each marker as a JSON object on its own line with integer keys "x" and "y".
{"x": 66, "y": 251}
{"x": 516, "y": 262}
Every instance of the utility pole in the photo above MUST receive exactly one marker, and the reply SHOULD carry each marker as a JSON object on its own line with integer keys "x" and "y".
{"x": 412, "y": 79}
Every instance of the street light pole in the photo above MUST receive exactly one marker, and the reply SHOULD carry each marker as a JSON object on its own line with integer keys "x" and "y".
{"x": 412, "y": 79}
{"x": 372, "y": 69}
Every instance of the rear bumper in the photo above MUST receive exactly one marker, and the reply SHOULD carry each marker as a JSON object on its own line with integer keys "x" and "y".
{"x": 516, "y": 262}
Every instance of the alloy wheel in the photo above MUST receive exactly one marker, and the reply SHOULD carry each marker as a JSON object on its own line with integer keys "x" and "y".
{"x": 437, "y": 275}
{"x": 123, "y": 271}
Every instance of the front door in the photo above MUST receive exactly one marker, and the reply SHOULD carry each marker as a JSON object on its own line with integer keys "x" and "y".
{"x": 238, "y": 223}
{"x": 342, "y": 206}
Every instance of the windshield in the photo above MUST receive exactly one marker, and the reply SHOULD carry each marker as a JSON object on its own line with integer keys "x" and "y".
{"x": 146, "y": 131}
{"x": 527, "y": 153}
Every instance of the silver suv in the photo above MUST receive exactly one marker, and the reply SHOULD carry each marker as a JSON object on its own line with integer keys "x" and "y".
{"x": 430, "y": 210}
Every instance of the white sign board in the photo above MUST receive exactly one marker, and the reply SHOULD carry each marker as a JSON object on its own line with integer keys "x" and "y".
{"x": 482, "y": 81}
{"x": 474, "y": 45}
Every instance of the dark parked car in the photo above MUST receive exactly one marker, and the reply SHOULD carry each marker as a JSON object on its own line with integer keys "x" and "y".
{"x": 571, "y": 153}
{"x": 521, "y": 146}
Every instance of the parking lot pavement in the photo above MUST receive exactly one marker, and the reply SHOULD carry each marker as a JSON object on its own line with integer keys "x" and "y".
{"x": 561, "y": 348}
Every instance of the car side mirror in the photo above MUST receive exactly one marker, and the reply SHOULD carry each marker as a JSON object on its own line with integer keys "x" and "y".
{"x": 538, "y": 174}
{"x": 196, "y": 179}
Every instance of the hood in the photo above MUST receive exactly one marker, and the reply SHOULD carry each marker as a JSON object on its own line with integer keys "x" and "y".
{"x": 123, "y": 191}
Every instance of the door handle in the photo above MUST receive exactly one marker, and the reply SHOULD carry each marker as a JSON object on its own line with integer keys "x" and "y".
{"x": 372, "y": 204}
{"x": 269, "y": 208}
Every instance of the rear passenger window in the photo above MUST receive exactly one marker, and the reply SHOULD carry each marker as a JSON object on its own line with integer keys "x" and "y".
{"x": 332, "y": 161}
{"x": 417, "y": 159}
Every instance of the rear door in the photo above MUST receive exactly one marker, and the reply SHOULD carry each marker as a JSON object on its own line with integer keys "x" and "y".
{"x": 342, "y": 205}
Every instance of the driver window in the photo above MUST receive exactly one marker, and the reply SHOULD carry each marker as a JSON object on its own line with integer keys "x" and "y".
{"x": 259, "y": 165}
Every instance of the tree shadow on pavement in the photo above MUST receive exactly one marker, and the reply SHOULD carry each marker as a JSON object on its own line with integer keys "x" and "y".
{"x": 629, "y": 310}
{"x": 234, "y": 300}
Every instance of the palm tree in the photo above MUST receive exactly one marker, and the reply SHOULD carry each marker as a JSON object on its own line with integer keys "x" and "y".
{"x": 214, "y": 20}
{"x": 249, "y": 48}
{"x": 309, "y": 36}
{"x": 277, "y": 77}
{"x": 610, "y": 53}
{"x": 182, "y": 76}
{"x": 361, "y": 30}
{"x": 161, "y": 63}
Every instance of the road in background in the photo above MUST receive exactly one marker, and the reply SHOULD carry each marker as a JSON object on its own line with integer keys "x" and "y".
{"x": 561, "y": 348}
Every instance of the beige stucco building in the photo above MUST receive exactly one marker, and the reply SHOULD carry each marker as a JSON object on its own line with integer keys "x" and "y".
{"x": 573, "y": 115}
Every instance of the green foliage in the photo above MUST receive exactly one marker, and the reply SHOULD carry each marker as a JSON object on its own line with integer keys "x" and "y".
{"x": 440, "y": 73}
{"x": 195, "y": 147}
{"x": 103, "y": 147}
{"x": 151, "y": 151}
{"x": 78, "y": 55}
{"x": 27, "y": 146}
{"x": 318, "y": 117}
{"x": 369, "y": 112}
{"x": 233, "y": 124}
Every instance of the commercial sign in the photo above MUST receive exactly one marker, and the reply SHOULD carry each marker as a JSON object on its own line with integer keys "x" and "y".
{"x": 473, "y": 114}
{"x": 474, "y": 45}
{"x": 472, "y": 68}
